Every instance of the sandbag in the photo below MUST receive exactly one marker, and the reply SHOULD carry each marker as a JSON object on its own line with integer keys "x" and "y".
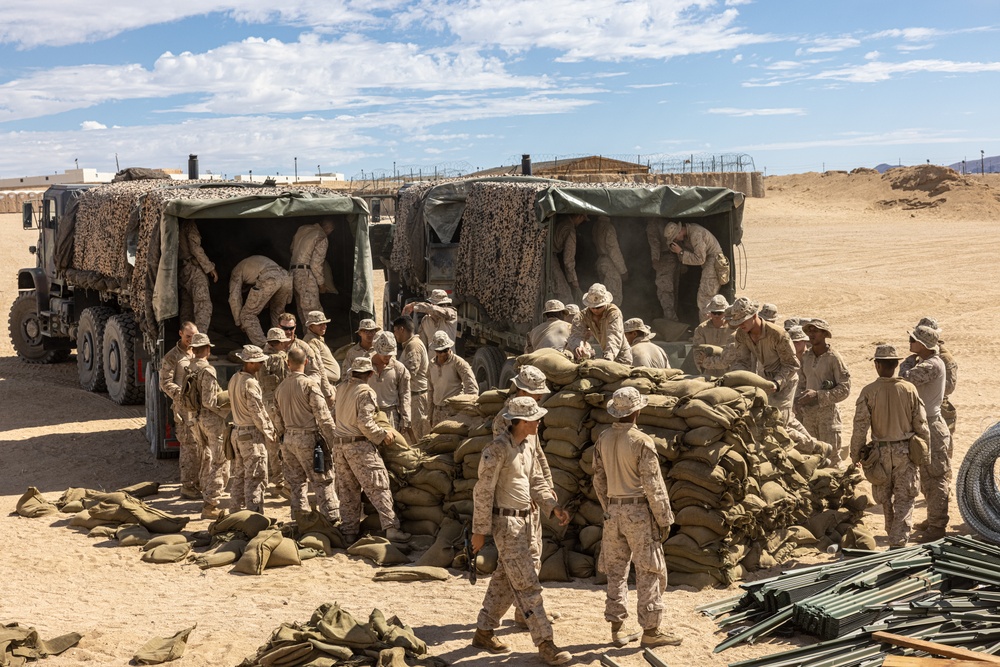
{"x": 378, "y": 550}
{"x": 443, "y": 462}
{"x": 339, "y": 627}
{"x": 226, "y": 553}
{"x": 697, "y": 408}
{"x": 453, "y": 426}
{"x": 132, "y": 535}
{"x": 604, "y": 370}
{"x": 642, "y": 385}
{"x": 556, "y": 365}
{"x": 442, "y": 552}
{"x": 167, "y": 553}
{"x": 33, "y": 505}
{"x": 420, "y": 513}
{"x": 472, "y": 446}
{"x": 579, "y": 566}
{"x": 420, "y": 527}
{"x": 745, "y": 379}
{"x": 592, "y": 513}
{"x": 434, "y": 482}
{"x": 669, "y": 423}
{"x": 412, "y": 573}
{"x": 709, "y": 477}
{"x": 561, "y": 448}
{"x": 439, "y": 443}
{"x": 284, "y": 554}
{"x": 572, "y": 466}
{"x": 492, "y": 396}
{"x": 317, "y": 541}
{"x": 459, "y": 507}
{"x": 155, "y": 521}
{"x": 577, "y": 436}
{"x": 106, "y": 532}
{"x": 71, "y": 495}
{"x": 565, "y": 480}
{"x": 711, "y": 453}
{"x": 702, "y": 436}
{"x": 696, "y": 580}
{"x": 142, "y": 489}
{"x": 571, "y": 418}
{"x": 161, "y": 540}
{"x": 683, "y": 388}
{"x": 113, "y": 512}
{"x": 258, "y": 550}
{"x": 565, "y": 399}
{"x": 717, "y": 395}
{"x": 656, "y": 374}
{"x": 163, "y": 649}
{"x": 465, "y": 404}
{"x": 487, "y": 559}
{"x": 411, "y": 495}
{"x": 589, "y": 538}
{"x": 712, "y": 519}
{"x": 554, "y": 567}
{"x": 584, "y": 385}
{"x": 84, "y": 520}
{"x": 699, "y": 535}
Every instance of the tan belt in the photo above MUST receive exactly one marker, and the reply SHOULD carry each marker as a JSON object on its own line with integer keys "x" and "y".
{"x": 880, "y": 443}
{"x": 300, "y": 430}
{"x": 501, "y": 511}
{"x": 636, "y": 500}
{"x": 344, "y": 441}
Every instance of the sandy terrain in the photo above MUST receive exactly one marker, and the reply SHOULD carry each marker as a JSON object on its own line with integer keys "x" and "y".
{"x": 817, "y": 245}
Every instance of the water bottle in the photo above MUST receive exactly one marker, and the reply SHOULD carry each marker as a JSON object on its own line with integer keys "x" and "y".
{"x": 319, "y": 458}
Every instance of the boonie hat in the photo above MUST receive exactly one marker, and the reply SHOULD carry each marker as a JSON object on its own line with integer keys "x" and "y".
{"x": 886, "y": 352}
{"x": 531, "y": 380}
{"x": 362, "y": 364}
{"x": 636, "y": 324}
{"x": 277, "y": 335}
{"x": 769, "y": 312}
{"x": 796, "y": 322}
{"x": 524, "y": 408}
{"x": 368, "y": 325}
{"x": 929, "y": 322}
{"x": 316, "y": 317}
{"x": 201, "y": 340}
{"x": 554, "y": 306}
{"x": 927, "y": 337}
{"x": 795, "y": 332}
{"x": 384, "y": 343}
{"x": 441, "y": 341}
{"x": 573, "y": 309}
{"x": 717, "y": 304}
{"x": 670, "y": 231}
{"x": 741, "y": 311}
{"x": 438, "y": 297}
{"x": 625, "y": 401}
{"x": 597, "y": 296}
{"x": 820, "y": 324}
{"x": 251, "y": 354}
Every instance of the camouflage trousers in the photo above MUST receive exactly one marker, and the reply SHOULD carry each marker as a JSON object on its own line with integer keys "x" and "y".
{"x": 666, "y": 269}
{"x": 306, "y": 292}
{"x": 804, "y": 441}
{"x": 707, "y": 287}
{"x": 215, "y": 471}
{"x": 559, "y": 287}
{"x": 297, "y": 455}
{"x": 630, "y": 536}
{"x": 441, "y": 413}
{"x": 249, "y": 469}
{"x": 272, "y": 290}
{"x": 935, "y": 477}
{"x": 275, "y": 467}
{"x": 823, "y": 423}
{"x": 610, "y": 277}
{"x": 897, "y": 495}
{"x": 359, "y": 468}
{"x": 419, "y": 409}
{"x": 191, "y": 450}
{"x": 950, "y": 414}
{"x": 515, "y": 580}
{"x": 196, "y": 302}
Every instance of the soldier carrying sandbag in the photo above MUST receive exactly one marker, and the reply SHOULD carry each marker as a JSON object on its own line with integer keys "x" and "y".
{"x": 553, "y": 332}
{"x": 252, "y": 430}
{"x": 602, "y": 320}
{"x": 268, "y": 286}
{"x": 644, "y": 351}
{"x": 447, "y": 375}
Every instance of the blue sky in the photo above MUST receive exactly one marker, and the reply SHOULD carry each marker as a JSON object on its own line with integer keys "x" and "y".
{"x": 359, "y": 85}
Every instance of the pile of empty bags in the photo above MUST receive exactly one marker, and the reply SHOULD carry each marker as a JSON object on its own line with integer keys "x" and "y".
{"x": 743, "y": 496}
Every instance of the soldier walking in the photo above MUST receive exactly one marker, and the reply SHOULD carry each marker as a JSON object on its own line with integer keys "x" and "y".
{"x": 827, "y": 382}
{"x": 195, "y": 270}
{"x": 447, "y": 375}
{"x": 602, "y": 320}
{"x": 252, "y": 431}
{"x": 926, "y": 370}
{"x": 553, "y": 332}
{"x": 316, "y": 323}
{"x": 413, "y": 356}
{"x": 359, "y": 468}
{"x": 391, "y": 382}
{"x": 510, "y": 481}
{"x": 302, "y": 419}
{"x": 611, "y": 266}
{"x": 309, "y": 246}
{"x": 172, "y": 370}
{"x": 367, "y": 330}
{"x": 644, "y": 352}
{"x": 438, "y": 315}
{"x": 713, "y": 332}
{"x": 268, "y": 285}
{"x": 891, "y": 408}
{"x": 637, "y": 514}
{"x": 212, "y": 420}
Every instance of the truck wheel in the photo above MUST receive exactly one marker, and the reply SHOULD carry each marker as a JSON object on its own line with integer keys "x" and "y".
{"x": 486, "y": 365}
{"x": 121, "y": 370}
{"x": 157, "y": 420}
{"x": 90, "y": 347}
{"x": 26, "y": 332}
{"x": 507, "y": 373}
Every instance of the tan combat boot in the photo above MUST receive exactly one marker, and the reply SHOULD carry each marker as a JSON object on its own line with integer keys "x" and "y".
{"x": 212, "y": 512}
{"x": 621, "y": 638}
{"x": 657, "y": 637}
{"x": 485, "y": 639}
{"x": 396, "y": 535}
{"x": 521, "y": 623}
{"x": 190, "y": 493}
{"x": 551, "y": 655}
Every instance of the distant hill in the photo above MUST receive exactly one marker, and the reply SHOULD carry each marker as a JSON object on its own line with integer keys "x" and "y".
{"x": 991, "y": 165}
{"x": 882, "y": 168}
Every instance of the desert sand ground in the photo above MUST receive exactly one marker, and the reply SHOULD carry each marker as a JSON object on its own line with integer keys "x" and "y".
{"x": 817, "y": 245}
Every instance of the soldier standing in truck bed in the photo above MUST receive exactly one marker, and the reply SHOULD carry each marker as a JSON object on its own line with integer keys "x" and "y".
{"x": 309, "y": 246}
{"x": 269, "y": 286}
{"x": 252, "y": 430}
{"x": 696, "y": 246}
{"x": 195, "y": 270}
{"x": 563, "y": 283}
{"x": 439, "y": 315}
{"x": 611, "y": 266}
{"x": 190, "y": 460}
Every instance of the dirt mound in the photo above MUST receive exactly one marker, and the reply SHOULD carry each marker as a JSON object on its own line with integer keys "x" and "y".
{"x": 930, "y": 178}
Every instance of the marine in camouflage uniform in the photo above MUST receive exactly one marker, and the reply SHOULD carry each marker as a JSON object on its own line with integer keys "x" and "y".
{"x": 173, "y": 361}
{"x": 611, "y": 265}
{"x": 696, "y": 246}
{"x": 951, "y": 376}
{"x": 359, "y": 468}
{"x": 391, "y": 382}
{"x": 891, "y": 408}
{"x": 272, "y": 372}
{"x": 644, "y": 351}
{"x": 316, "y": 323}
{"x": 269, "y": 286}
{"x": 713, "y": 333}
{"x": 553, "y": 332}
{"x": 413, "y": 356}
{"x": 302, "y": 416}
{"x": 438, "y": 315}
{"x": 563, "y": 283}
{"x": 195, "y": 270}
{"x": 447, "y": 375}
{"x": 367, "y": 330}
{"x": 925, "y": 369}
{"x": 637, "y": 513}
{"x": 827, "y": 382}
{"x": 309, "y": 246}
{"x": 510, "y": 481}
{"x": 603, "y": 320}
{"x": 315, "y": 368}
{"x": 666, "y": 268}
{"x": 212, "y": 420}
{"x": 253, "y": 429}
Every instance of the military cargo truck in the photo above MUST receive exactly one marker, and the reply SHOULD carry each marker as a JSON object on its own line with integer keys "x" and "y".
{"x": 488, "y": 242}
{"x": 105, "y": 280}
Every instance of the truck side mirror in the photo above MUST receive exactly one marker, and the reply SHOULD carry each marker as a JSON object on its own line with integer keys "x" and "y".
{"x": 27, "y": 216}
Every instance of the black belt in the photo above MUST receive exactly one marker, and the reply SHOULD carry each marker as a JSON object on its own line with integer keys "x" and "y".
{"x": 300, "y": 266}
{"x": 879, "y": 443}
{"x": 500, "y": 511}
{"x": 638, "y": 500}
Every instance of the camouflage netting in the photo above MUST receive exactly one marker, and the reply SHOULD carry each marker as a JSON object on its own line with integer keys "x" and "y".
{"x": 501, "y": 258}
{"x": 744, "y": 497}
{"x": 407, "y": 232}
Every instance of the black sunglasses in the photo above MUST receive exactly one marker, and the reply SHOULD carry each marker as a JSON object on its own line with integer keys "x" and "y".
{"x": 291, "y": 328}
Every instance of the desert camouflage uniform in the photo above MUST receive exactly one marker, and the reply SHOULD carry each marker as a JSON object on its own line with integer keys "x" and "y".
{"x": 610, "y": 262}
{"x": 196, "y": 302}
{"x": 928, "y": 376}
{"x": 951, "y": 380}
{"x": 892, "y": 409}
{"x": 353, "y": 352}
{"x": 309, "y": 246}
{"x": 510, "y": 478}
{"x": 436, "y": 318}
{"x": 649, "y": 354}
{"x": 626, "y": 467}
{"x": 562, "y": 274}
{"x": 413, "y": 356}
{"x": 212, "y": 424}
{"x": 270, "y": 286}
{"x": 392, "y": 392}
{"x": 609, "y": 332}
{"x": 707, "y": 333}
{"x": 190, "y": 456}
{"x": 358, "y": 464}
{"x": 665, "y": 267}
{"x": 331, "y": 369}
{"x": 822, "y": 419}
{"x": 197, "y": 456}
{"x": 270, "y": 375}
{"x": 701, "y": 248}
{"x": 451, "y": 378}
{"x": 302, "y": 415}
{"x": 552, "y": 333}
{"x": 253, "y": 428}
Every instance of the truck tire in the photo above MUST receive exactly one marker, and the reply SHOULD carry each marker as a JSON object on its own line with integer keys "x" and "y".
{"x": 90, "y": 347}
{"x": 157, "y": 417}
{"x": 486, "y": 365}
{"x": 26, "y": 332}
{"x": 507, "y": 373}
{"x": 121, "y": 370}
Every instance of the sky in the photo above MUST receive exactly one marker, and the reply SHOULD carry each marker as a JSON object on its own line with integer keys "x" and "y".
{"x": 356, "y": 86}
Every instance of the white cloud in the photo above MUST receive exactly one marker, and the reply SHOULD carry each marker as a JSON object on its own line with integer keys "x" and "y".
{"x": 737, "y": 58}
{"x": 785, "y": 65}
{"x": 907, "y": 48}
{"x": 872, "y": 55}
{"x": 876, "y": 71}
{"x": 88, "y": 125}
{"x": 832, "y": 44}
{"x": 744, "y": 113}
{"x": 651, "y": 85}
{"x": 908, "y": 136}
